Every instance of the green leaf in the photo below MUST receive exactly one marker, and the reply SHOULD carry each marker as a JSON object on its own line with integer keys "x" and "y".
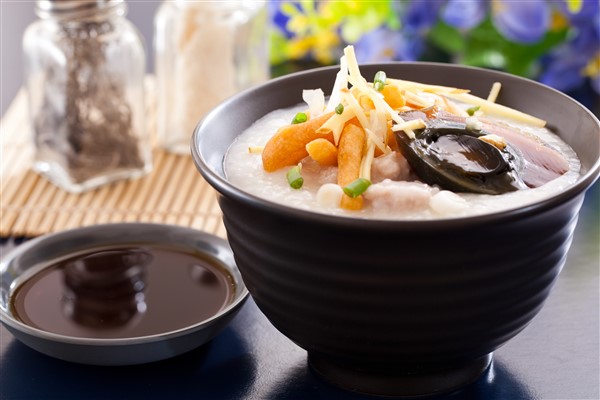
{"x": 447, "y": 38}
{"x": 486, "y": 47}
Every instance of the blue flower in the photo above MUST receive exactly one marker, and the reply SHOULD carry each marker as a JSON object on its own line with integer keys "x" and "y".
{"x": 418, "y": 16}
{"x": 384, "y": 44}
{"x": 278, "y": 18}
{"x": 569, "y": 66}
{"x": 518, "y": 21}
{"x": 563, "y": 70}
{"x": 406, "y": 44}
{"x": 463, "y": 14}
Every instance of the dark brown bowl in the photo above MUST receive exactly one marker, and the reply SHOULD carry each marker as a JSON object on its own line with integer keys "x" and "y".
{"x": 399, "y": 307}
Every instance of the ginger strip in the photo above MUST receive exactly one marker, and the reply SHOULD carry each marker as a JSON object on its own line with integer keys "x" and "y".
{"x": 350, "y": 153}
{"x": 416, "y": 100}
{"x": 336, "y": 123}
{"x": 494, "y": 92}
{"x": 322, "y": 151}
{"x": 288, "y": 146}
{"x": 489, "y": 107}
{"x": 367, "y": 162}
{"x": 255, "y": 149}
{"x": 412, "y": 86}
{"x": 412, "y": 124}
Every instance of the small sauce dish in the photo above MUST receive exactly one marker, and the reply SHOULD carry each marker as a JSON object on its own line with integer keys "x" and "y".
{"x": 119, "y": 294}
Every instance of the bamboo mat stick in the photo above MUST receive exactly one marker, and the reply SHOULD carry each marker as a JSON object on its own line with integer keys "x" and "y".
{"x": 184, "y": 193}
{"x": 109, "y": 208}
{"x": 37, "y": 214}
{"x": 65, "y": 212}
{"x": 161, "y": 210}
{"x": 210, "y": 220}
{"x": 147, "y": 186}
{"x": 32, "y": 200}
{"x": 13, "y": 173}
{"x": 26, "y": 187}
{"x": 161, "y": 186}
{"x": 83, "y": 202}
{"x": 202, "y": 194}
{"x": 47, "y": 222}
{"x": 94, "y": 209}
{"x": 125, "y": 203}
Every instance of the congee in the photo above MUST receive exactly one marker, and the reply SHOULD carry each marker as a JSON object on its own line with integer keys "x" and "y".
{"x": 395, "y": 149}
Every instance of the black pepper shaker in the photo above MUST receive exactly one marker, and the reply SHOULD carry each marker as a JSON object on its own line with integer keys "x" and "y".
{"x": 84, "y": 72}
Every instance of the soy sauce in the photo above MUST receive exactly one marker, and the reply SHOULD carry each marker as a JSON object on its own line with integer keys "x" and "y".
{"x": 123, "y": 292}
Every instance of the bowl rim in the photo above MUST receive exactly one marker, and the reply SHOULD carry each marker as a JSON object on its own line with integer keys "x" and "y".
{"x": 240, "y": 296}
{"x": 225, "y": 188}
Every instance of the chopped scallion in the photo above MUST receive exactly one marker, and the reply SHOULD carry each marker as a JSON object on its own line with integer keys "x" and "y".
{"x": 357, "y": 187}
{"x": 299, "y": 118}
{"x": 379, "y": 81}
{"x": 471, "y": 110}
{"x": 339, "y": 109}
{"x": 294, "y": 177}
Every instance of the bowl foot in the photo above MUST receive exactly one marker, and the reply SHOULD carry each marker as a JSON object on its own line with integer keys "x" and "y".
{"x": 401, "y": 384}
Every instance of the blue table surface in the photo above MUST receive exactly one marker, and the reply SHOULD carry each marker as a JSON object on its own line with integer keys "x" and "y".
{"x": 556, "y": 357}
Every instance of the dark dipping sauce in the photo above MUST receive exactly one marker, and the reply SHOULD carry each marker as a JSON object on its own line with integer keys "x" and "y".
{"x": 124, "y": 292}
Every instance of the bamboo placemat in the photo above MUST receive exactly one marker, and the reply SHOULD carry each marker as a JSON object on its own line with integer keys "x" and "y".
{"x": 173, "y": 193}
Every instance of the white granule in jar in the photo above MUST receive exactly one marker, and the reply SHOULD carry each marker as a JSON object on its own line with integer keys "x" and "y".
{"x": 205, "y": 68}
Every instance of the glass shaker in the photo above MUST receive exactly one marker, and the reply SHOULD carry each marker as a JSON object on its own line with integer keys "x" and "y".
{"x": 205, "y": 52}
{"x": 84, "y": 74}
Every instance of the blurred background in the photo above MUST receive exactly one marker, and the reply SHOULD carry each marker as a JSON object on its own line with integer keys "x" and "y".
{"x": 556, "y": 42}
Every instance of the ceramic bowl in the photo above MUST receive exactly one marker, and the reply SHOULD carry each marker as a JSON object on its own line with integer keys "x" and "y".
{"x": 31, "y": 257}
{"x": 399, "y": 307}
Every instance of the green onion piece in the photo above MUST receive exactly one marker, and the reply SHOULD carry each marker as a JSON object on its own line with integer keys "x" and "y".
{"x": 471, "y": 110}
{"x": 339, "y": 109}
{"x": 357, "y": 187}
{"x": 380, "y": 81}
{"x": 295, "y": 178}
{"x": 299, "y": 118}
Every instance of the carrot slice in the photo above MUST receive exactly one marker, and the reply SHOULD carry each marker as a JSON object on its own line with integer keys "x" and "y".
{"x": 322, "y": 151}
{"x": 350, "y": 153}
{"x": 288, "y": 145}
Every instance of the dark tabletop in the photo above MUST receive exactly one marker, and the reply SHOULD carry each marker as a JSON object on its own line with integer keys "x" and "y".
{"x": 556, "y": 357}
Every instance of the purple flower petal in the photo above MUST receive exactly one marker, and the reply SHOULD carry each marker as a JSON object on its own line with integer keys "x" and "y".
{"x": 384, "y": 44}
{"x": 521, "y": 21}
{"x": 410, "y": 49}
{"x": 464, "y": 14}
{"x": 563, "y": 71}
{"x": 590, "y": 10}
{"x": 278, "y": 19}
{"x": 586, "y": 39}
{"x": 380, "y": 44}
{"x": 419, "y": 15}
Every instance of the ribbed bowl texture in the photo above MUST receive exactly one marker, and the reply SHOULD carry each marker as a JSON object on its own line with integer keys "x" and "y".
{"x": 396, "y": 307}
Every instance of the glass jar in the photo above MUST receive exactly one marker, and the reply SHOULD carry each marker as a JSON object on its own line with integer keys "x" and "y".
{"x": 205, "y": 52}
{"x": 84, "y": 73}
